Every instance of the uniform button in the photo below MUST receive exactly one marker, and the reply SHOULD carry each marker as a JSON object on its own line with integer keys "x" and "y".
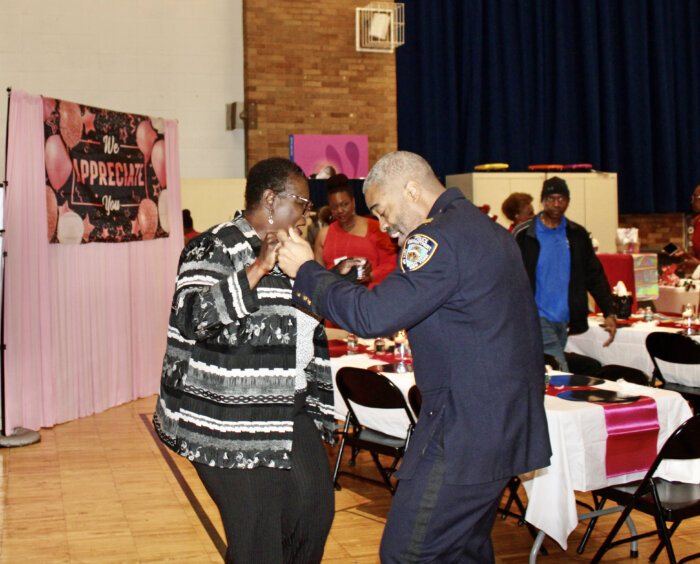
{"x": 431, "y": 413}
{"x": 298, "y": 294}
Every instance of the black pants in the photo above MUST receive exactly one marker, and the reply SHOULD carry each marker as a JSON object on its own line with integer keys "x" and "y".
{"x": 431, "y": 521}
{"x": 276, "y": 516}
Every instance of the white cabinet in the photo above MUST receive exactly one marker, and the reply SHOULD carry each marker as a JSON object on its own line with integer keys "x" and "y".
{"x": 593, "y": 197}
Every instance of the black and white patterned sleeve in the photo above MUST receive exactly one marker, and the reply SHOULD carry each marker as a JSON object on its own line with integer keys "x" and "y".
{"x": 212, "y": 289}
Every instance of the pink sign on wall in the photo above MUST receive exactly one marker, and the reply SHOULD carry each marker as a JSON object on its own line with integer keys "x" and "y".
{"x": 346, "y": 153}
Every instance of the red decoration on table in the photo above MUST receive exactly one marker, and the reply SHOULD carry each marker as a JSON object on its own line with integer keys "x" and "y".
{"x": 387, "y": 357}
{"x": 669, "y": 276}
{"x": 633, "y": 430}
{"x": 339, "y": 347}
{"x": 619, "y": 267}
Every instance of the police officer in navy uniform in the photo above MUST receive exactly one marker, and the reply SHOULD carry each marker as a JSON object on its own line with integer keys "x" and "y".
{"x": 463, "y": 295}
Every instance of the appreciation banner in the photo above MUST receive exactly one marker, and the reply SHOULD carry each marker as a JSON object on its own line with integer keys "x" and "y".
{"x": 105, "y": 175}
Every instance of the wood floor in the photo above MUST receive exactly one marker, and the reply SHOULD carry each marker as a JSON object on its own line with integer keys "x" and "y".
{"x": 102, "y": 489}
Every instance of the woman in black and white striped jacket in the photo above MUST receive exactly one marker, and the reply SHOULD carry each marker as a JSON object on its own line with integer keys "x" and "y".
{"x": 246, "y": 391}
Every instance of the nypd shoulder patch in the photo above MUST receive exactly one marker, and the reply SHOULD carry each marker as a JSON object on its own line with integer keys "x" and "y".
{"x": 417, "y": 251}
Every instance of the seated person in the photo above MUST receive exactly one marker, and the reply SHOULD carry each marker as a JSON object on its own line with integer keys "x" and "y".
{"x": 353, "y": 236}
{"x": 691, "y": 257}
{"x": 518, "y": 208}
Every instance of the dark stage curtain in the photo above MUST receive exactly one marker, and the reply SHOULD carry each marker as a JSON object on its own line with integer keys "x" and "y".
{"x": 614, "y": 83}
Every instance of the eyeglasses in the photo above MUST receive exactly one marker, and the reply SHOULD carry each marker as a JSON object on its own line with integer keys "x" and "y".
{"x": 308, "y": 204}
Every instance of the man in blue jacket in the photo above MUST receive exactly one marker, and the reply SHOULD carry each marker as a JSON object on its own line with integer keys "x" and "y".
{"x": 463, "y": 295}
{"x": 562, "y": 267}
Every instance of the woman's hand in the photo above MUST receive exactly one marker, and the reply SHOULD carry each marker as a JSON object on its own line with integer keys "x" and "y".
{"x": 269, "y": 251}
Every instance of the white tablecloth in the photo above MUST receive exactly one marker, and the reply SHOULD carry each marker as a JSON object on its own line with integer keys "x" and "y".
{"x": 629, "y": 349}
{"x": 578, "y": 436}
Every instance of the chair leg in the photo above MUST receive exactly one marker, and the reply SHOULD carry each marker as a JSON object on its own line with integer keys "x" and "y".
{"x": 382, "y": 471}
{"x": 611, "y": 535}
{"x": 591, "y": 524}
{"x": 660, "y": 546}
{"x": 336, "y": 485}
{"x": 665, "y": 538}
{"x": 512, "y": 488}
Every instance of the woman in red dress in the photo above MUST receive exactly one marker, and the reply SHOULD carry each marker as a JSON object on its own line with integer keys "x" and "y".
{"x": 353, "y": 236}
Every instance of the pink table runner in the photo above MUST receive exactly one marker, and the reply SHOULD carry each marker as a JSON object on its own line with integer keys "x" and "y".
{"x": 633, "y": 430}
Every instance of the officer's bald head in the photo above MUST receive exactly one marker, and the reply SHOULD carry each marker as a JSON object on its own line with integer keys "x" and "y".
{"x": 397, "y": 168}
{"x": 401, "y": 190}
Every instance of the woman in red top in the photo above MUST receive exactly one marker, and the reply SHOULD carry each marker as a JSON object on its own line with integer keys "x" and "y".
{"x": 353, "y": 236}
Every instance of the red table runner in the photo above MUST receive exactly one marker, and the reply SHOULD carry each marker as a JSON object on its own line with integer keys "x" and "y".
{"x": 339, "y": 347}
{"x": 633, "y": 430}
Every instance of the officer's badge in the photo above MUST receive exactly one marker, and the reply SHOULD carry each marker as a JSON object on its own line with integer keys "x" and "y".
{"x": 417, "y": 251}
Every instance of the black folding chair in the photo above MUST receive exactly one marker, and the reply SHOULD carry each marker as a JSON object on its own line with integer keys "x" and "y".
{"x": 552, "y": 361}
{"x": 415, "y": 399}
{"x": 582, "y": 364}
{"x": 678, "y": 349}
{"x": 665, "y": 501}
{"x": 616, "y": 371}
{"x": 361, "y": 387}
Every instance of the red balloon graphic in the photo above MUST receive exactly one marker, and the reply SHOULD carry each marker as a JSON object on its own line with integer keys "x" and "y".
{"x": 70, "y": 122}
{"x": 145, "y": 136}
{"x": 58, "y": 165}
{"x": 158, "y": 160}
{"x": 163, "y": 210}
{"x": 49, "y": 107}
{"x": 148, "y": 218}
{"x": 70, "y": 228}
{"x": 51, "y": 210}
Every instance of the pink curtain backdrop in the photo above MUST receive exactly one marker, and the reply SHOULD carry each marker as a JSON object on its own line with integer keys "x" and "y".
{"x": 85, "y": 325}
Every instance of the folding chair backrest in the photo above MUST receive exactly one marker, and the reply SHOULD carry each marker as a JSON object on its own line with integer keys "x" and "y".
{"x": 671, "y": 347}
{"x": 552, "y": 361}
{"x": 616, "y": 371}
{"x": 415, "y": 399}
{"x": 370, "y": 389}
{"x": 684, "y": 443}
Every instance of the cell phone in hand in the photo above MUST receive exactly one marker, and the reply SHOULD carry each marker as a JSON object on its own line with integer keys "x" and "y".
{"x": 670, "y": 248}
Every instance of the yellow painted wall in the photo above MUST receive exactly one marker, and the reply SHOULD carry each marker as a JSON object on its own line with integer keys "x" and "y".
{"x": 212, "y": 200}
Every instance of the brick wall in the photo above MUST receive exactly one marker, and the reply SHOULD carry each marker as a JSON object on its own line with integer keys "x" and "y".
{"x": 304, "y": 75}
{"x": 657, "y": 229}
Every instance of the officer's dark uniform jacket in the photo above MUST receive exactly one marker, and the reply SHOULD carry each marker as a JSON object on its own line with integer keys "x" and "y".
{"x": 463, "y": 295}
{"x": 587, "y": 274}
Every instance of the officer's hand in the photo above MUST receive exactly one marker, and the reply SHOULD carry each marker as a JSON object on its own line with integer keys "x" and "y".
{"x": 293, "y": 252}
{"x": 364, "y": 269}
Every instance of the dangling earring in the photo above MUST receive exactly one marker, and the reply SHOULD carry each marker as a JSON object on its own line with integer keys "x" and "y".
{"x": 269, "y": 218}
